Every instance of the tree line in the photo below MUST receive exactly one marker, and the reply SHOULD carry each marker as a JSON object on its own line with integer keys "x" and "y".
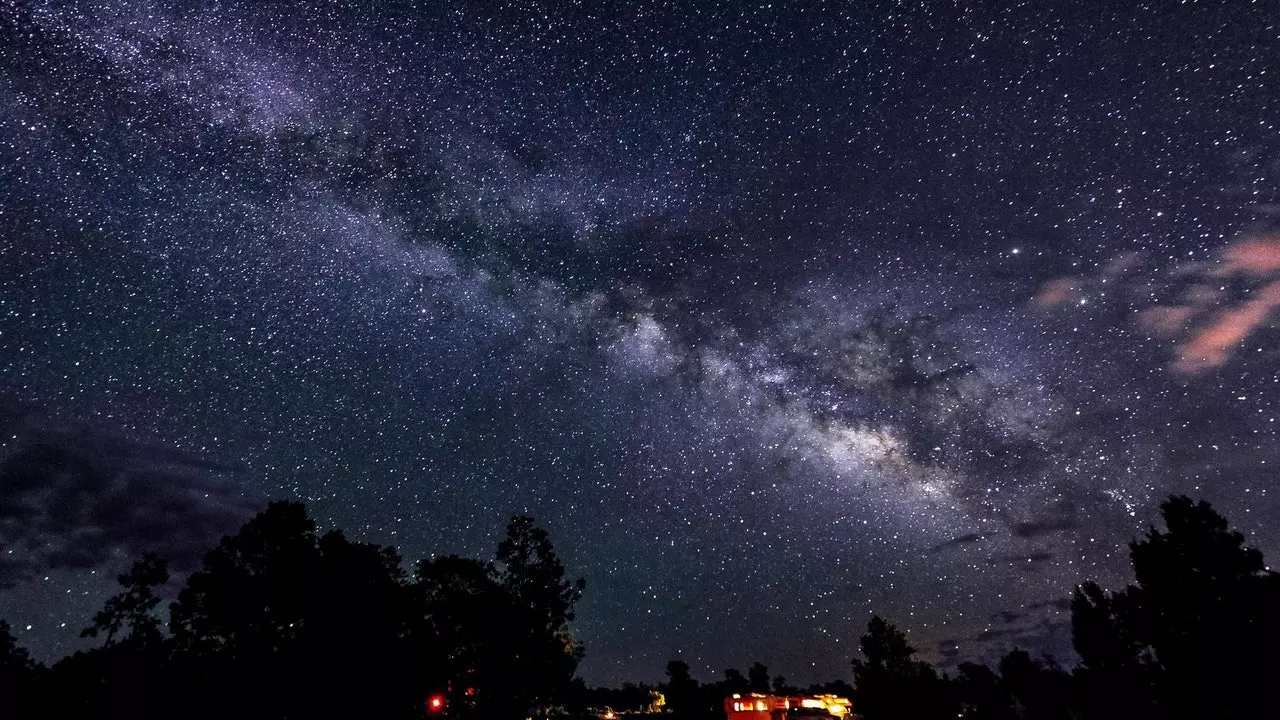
{"x": 1196, "y": 636}
{"x": 283, "y": 622}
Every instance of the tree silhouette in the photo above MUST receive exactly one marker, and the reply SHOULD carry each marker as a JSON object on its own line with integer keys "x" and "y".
{"x": 282, "y": 622}
{"x": 363, "y": 647}
{"x": 494, "y": 637}
{"x": 1208, "y": 609}
{"x": 291, "y": 624}
{"x": 981, "y": 693}
{"x": 1118, "y": 677}
{"x": 129, "y": 673}
{"x": 758, "y": 677}
{"x": 681, "y": 691}
{"x": 250, "y": 598}
{"x": 734, "y": 682}
{"x": 1035, "y": 690}
{"x": 467, "y": 612}
{"x": 133, "y": 609}
{"x": 891, "y": 683}
{"x": 13, "y": 659}
{"x": 1197, "y": 631}
{"x": 18, "y": 677}
{"x": 841, "y": 688}
{"x": 631, "y": 698}
{"x": 543, "y": 650}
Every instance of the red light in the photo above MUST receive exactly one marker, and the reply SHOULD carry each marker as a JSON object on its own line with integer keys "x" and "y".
{"x": 435, "y": 704}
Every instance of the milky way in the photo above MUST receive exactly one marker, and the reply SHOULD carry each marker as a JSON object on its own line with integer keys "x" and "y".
{"x": 776, "y": 315}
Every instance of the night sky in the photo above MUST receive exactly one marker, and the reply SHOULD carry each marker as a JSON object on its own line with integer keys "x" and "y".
{"x": 776, "y": 315}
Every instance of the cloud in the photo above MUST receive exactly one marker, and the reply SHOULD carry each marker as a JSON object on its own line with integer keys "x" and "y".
{"x": 960, "y": 541}
{"x": 1031, "y": 612}
{"x": 73, "y": 497}
{"x": 1076, "y": 289}
{"x": 1210, "y": 346}
{"x": 1008, "y": 616}
{"x": 1257, "y": 256}
{"x": 1165, "y": 320}
{"x": 1048, "y": 526}
{"x": 1057, "y": 604}
{"x": 1058, "y": 291}
{"x": 1221, "y": 303}
{"x": 1031, "y": 558}
{"x": 996, "y": 634}
{"x": 1039, "y": 628}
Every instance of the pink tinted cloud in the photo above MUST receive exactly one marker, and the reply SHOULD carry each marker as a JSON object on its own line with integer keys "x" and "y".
{"x": 1058, "y": 291}
{"x": 1210, "y": 346}
{"x": 1205, "y": 325}
{"x": 1167, "y": 320}
{"x": 1256, "y": 256}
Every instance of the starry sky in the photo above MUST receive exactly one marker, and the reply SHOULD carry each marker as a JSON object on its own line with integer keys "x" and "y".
{"x": 777, "y": 315}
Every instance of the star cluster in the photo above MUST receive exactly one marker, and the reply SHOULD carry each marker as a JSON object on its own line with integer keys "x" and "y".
{"x": 777, "y": 315}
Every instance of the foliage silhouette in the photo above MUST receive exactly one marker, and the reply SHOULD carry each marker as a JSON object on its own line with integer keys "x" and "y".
{"x": 133, "y": 609}
{"x": 892, "y": 684}
{"x": 1118, "y": 676}
{"x": 283, "y": 622}
{"x": 735, "y": 682}
{"x": 758, "y": 677}
{"x": 1035, "y": 690}
{"x": 465, "y": 611}
{"x": 17, "y": 676}
{"x": 630, "y": 698}
{"x": 682, "y": 691}
{"x": 981, "y": 693}
{"x": 1195, "y": 636}
{"x": 542, "y": 652}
